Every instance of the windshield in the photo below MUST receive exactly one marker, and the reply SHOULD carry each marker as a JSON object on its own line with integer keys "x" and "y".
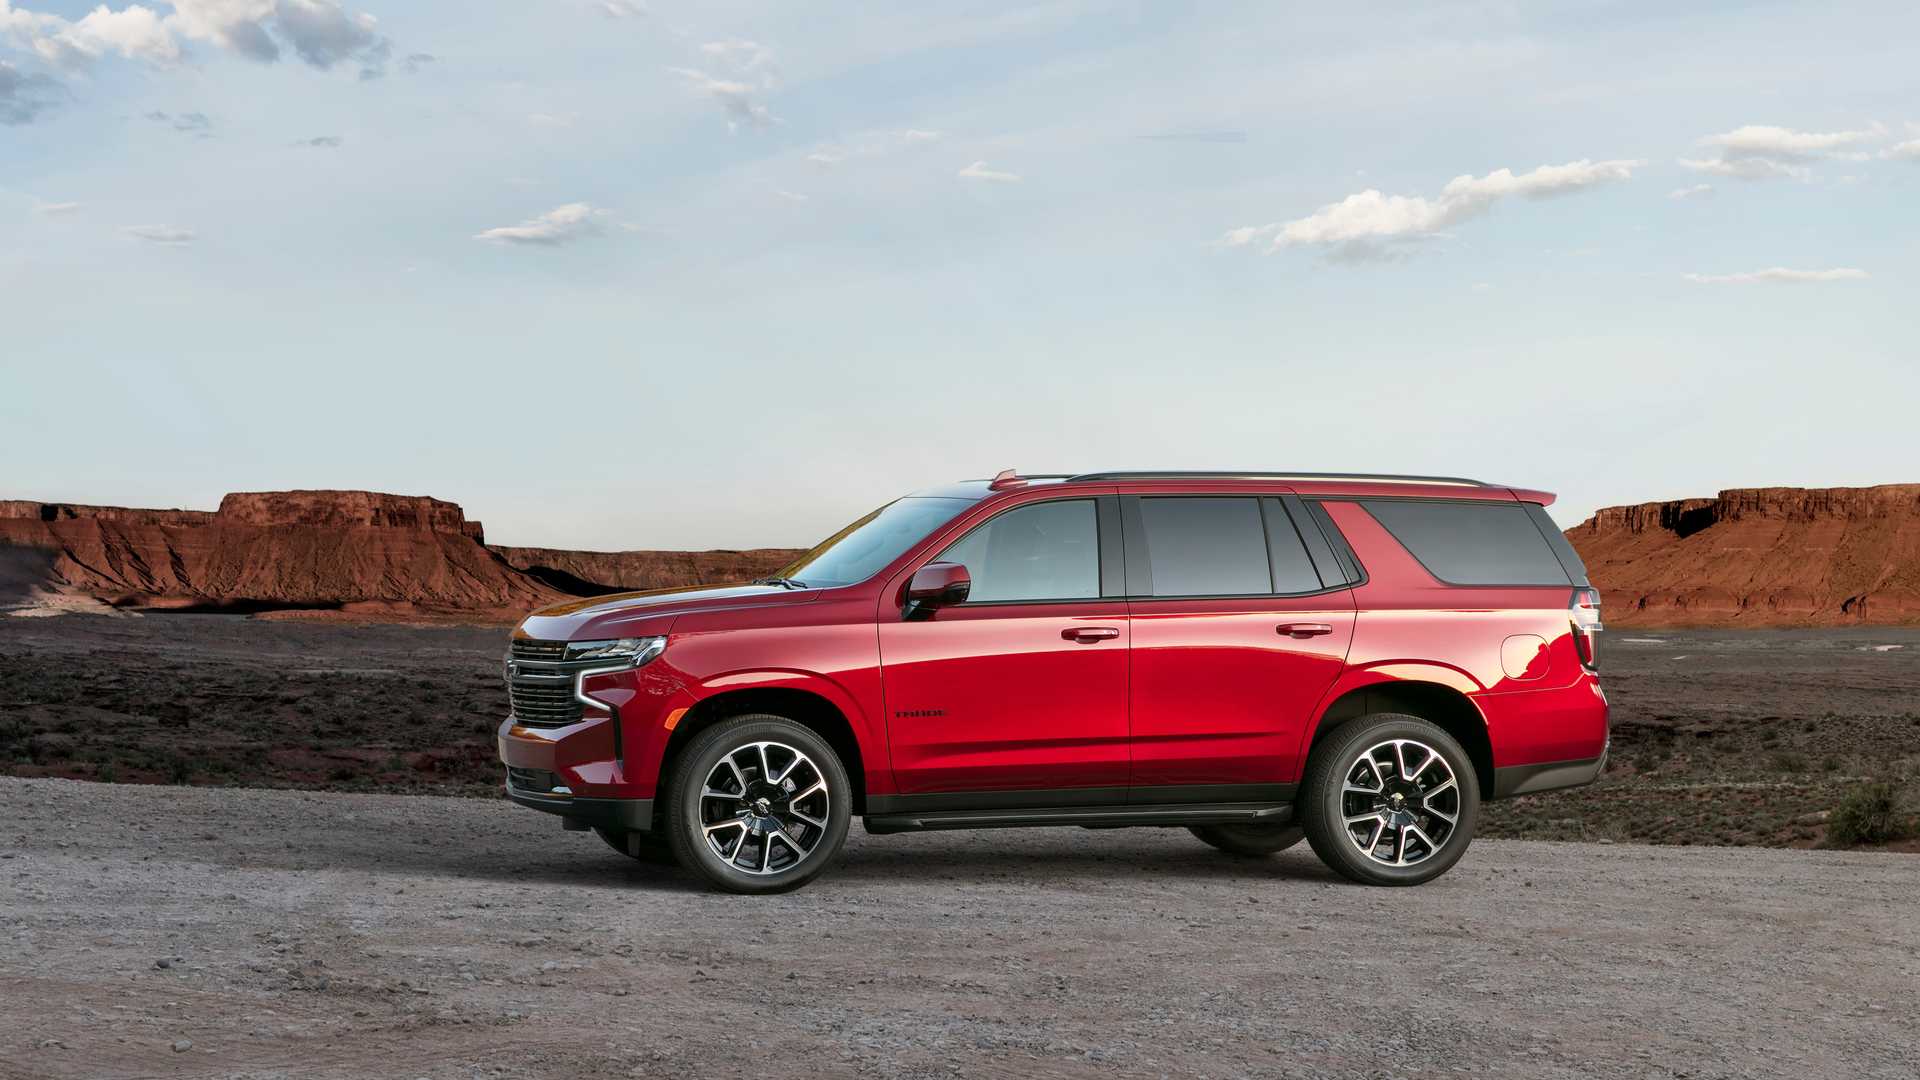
{"x": 857, "y": 551}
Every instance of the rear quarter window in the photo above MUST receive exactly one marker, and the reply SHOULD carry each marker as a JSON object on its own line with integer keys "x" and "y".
{"x": 1472, "y": 543}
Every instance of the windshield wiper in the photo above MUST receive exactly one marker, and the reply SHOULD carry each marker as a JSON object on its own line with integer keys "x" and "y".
{"x": 783, "y": 582}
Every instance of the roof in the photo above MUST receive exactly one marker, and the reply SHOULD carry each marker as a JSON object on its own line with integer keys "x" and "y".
{"x": 1358, "y": 485}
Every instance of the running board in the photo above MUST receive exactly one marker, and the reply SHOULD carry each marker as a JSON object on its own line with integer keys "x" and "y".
{"x": 1091, "y": 816}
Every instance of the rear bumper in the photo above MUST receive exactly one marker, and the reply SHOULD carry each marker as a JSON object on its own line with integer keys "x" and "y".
{"x": 1546, "y": 776}
{"x": 629, "y": 815}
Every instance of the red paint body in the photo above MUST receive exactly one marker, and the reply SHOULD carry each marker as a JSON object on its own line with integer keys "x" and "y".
{"x": 996, "y": 698}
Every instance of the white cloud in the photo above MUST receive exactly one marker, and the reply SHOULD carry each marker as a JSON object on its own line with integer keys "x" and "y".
{"x": 560, "y": 225}
{"x": 134, "y": 32}
{"x": 1761, "y": 140}
{"x": 320, "y": 32}
{"x": 739, "y": 55}
{"x": 979, "y": 171}
{"x": 1747, "y": 168}
{"x": 622, "y": 9}
{"x": 737, "y": 98}
{"x": 161, "y": 234}
{"x": 551, "y": 120}
{"x": 56, "y": 209}
{"x": 1360, "y": 226}
{"x": 1779, "y": 275}
{"x": 1697, "y": 191}
{"x": 1766, "y": 152}
{"x": 873, "y": 144}
{"x": 790, "y": 196}
{"x": 324, "y": 34}
{"x": 1906, "y": 151}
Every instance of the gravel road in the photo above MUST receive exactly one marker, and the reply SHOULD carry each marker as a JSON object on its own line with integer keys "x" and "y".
{"x": 164, "y": 931}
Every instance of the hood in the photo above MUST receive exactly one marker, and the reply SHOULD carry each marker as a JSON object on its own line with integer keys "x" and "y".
{"x": 637, "y": 614}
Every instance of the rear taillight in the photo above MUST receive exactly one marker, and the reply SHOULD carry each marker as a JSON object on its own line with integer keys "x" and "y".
{"x": 1584, "y": 613}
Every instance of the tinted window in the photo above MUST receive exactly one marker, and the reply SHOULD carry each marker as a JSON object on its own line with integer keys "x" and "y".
{"x": 1557, "y": 540}
{"x": 1472, "y": 543}
{"x": 1206, "y": 547}
{"x": 1293, "y": 571}
{"x": 1042, "y": 551}
{"x": 855, "y": 552}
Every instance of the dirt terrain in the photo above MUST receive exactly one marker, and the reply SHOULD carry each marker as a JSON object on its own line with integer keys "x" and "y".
{"x": 165, "y": 931}
{"x": 1720, "y": 737}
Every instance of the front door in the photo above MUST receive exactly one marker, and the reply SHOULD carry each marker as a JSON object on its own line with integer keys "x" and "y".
{"x": 1023, "y": 688}
{"x": 1235, "y": 639}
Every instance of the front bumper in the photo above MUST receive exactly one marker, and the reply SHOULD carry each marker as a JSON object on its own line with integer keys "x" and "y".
{"x": 613, "y": 749}
{"x": 627, "y": 815}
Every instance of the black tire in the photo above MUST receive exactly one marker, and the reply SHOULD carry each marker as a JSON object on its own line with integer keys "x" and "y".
{"x": 1414, "y": 843}
{"x": 801, "y": 820}
{"x": 646, "y": 847}
{"x": 1253, "y": 841}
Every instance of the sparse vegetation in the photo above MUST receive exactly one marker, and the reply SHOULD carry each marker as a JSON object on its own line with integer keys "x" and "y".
{"x": 1868, "y": 815}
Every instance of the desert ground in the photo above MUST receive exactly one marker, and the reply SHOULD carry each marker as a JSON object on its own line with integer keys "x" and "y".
{"x": 1730, "y": 737}
{"x": 386, "y": 914}
{"x": 157, "y": 931}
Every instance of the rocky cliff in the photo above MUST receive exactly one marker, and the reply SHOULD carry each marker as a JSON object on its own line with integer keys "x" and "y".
{"x": 589, "y": 572}
{"x": 1759, "y": 557}
{"x": 362, "y": 553}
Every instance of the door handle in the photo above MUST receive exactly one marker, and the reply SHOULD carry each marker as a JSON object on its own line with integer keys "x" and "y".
{"x": 1087, "y": 635}
{"x": 1304, "y": 629}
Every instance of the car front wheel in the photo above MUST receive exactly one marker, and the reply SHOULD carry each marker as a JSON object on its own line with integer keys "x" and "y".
{"x": 1390, "y": 799}
{"x": 758, "y": 804}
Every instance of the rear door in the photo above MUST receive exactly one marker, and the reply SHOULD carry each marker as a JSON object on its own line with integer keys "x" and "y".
{"x": 1240, "y": 623}
{"x": 1023, "y": 688}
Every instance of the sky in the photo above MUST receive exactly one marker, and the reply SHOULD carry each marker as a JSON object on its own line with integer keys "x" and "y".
{"x": 618, "y": 275}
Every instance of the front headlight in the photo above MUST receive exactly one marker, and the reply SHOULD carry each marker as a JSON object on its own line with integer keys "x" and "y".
{"x": 629, "y": 651}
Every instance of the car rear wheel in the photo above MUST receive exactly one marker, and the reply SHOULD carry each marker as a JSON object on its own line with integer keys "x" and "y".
{"x": 1390, "y": 799}
{"x": 1250, "y": 840}
{"x": 758, "y": 804}
{"x": 647, "y": 847}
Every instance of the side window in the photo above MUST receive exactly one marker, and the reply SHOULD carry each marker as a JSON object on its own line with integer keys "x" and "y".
{"x": 1200, "y": 546}
{"x": 1293, "y": 570}
{"x": 1478, "y": 543}
{"x": 1042, "y": 551}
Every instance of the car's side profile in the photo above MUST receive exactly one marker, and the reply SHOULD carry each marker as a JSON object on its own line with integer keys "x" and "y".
{"x": 1259, "y": 657}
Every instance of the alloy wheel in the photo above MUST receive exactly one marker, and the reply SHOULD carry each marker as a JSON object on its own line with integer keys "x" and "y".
{"x": 764, "y": 808}
{"x": 1399, "y": 802}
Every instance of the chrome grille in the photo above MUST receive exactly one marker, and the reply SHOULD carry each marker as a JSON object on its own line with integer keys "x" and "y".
{"x": 540, "y": 683}
{"x": 549, "y": 651}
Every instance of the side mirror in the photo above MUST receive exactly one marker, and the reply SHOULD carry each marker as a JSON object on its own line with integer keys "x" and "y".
{"x": 939, "y": 584}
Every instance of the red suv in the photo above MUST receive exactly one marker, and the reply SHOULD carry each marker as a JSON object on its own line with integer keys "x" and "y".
{"x": 1358, "y": 659}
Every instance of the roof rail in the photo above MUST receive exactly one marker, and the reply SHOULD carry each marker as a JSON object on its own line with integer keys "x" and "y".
{"x": 1008, "y": 477}
{"x": 1254, "y": 474}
